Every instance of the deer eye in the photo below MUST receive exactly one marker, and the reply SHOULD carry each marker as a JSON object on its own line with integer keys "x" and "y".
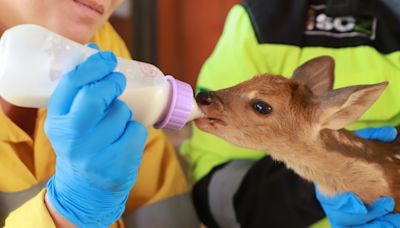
{"x": 262, "y": 107}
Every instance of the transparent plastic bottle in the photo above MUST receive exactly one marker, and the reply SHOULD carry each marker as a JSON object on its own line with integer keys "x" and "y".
{"x": 33, "y": 59}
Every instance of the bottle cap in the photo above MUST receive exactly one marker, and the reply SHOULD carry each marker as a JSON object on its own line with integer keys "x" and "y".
{"x": 180, "y": 105}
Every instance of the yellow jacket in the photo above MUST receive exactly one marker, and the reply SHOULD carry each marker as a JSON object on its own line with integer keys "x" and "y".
{"x": 26, "y": 164}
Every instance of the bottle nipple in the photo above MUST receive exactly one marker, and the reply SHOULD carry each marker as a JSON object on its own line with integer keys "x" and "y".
{"x": 196, "y": 112}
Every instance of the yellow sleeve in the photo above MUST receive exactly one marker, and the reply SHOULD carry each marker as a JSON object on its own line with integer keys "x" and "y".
{"x": 32, "y": 214}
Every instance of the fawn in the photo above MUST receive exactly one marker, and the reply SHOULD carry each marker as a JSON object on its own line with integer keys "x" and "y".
{"x": 299, "y": 121}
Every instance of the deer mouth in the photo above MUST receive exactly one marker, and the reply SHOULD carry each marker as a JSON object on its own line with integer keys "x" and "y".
{"x": 209, "y": 121}
{"x": 211, "y": 118}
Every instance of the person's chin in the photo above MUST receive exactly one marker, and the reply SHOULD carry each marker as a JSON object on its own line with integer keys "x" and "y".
{"x": 78, "y": 32}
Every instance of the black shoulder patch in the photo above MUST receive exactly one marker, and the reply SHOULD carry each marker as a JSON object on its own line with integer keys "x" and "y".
{"x": 277, "y": 21}
{"x": 330, "y": 23}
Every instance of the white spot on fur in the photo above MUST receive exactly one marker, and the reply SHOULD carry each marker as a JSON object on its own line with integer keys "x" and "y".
{"x": 397, "y": 156}
{"x": 358, "y": 144}
{"x": 251, "y": 94}
{"x": 389, "y": 159}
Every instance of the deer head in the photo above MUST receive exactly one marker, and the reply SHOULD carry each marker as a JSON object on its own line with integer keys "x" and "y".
{"x": 269, "y": 111}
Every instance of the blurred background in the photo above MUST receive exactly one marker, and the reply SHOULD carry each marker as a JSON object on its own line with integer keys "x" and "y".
{"x": 175, "y": 35}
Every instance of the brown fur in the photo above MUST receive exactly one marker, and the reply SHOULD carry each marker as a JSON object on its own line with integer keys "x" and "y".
{"x": 302, "y": 130}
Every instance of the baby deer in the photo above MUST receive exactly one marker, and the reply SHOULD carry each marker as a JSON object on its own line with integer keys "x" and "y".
{"x": 300, "y": 122}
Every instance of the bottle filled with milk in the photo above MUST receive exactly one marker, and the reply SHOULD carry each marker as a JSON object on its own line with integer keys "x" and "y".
{"x": 33, "y": 59}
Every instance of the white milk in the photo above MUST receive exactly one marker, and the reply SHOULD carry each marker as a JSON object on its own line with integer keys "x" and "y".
{"x": 145, "y": 103}
{"x": 33, "y": 59}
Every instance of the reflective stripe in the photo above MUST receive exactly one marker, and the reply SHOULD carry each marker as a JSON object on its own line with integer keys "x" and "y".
{"x": 10, "y": 201}
{"x": 174, "y": 212}
{"x": 223, "y": 186}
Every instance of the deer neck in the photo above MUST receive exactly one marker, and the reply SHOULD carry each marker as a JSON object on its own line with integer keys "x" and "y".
{"x": 328, "y": 158}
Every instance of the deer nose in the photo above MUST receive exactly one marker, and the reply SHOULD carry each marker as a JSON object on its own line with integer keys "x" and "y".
{"x": 204, "y": 98}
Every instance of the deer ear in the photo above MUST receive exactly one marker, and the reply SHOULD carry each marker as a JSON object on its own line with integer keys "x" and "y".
{"x": 317, "y": 74}
{"x": 344, "y": 106}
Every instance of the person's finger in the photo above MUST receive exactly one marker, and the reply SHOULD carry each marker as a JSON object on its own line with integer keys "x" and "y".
{"x": 133, "y": 139}
{"x": 113, "y": 125}
{"x": 93, "y": 45}
{"x": 390, "y": 220}
{"x": 385, "y": 134}
{"x": 380, "y": 207}
{"x": 346, "y": 202}
{"x": 93, "y": 100}
{"x": 94, "y": 68}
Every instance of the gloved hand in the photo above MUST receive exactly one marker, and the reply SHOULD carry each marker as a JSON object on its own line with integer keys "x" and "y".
{"x": 384, "y": 134}
{"x": 98, "y": 148}
{"x": 347, "y": 210}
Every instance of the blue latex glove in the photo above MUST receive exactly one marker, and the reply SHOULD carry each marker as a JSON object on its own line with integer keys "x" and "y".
{"x": 98, "y": 148}
{"x": 384, "y": 134}
{"x": 347, "y": 210}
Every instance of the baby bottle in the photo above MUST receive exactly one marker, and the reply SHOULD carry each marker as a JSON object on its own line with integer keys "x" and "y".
{"x": 33, "y": 59}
